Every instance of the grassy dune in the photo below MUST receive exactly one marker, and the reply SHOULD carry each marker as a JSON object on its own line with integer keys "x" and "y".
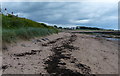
{"x": 14, "y": 28}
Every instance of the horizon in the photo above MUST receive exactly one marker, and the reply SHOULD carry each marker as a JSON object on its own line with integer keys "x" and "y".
{"x": 68, "y": 14}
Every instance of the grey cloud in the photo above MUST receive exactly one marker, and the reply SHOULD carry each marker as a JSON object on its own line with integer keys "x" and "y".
{"x": 64, "y": 13}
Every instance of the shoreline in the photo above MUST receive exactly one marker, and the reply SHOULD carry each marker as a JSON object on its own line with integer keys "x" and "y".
{"x": 83, "y": 55}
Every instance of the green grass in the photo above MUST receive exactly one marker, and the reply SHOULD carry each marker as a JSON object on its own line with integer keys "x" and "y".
{"x": 16, "y": 28}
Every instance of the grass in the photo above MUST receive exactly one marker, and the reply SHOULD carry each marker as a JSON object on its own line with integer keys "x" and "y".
{"x": 11, "y": 35}
{"x": 16, "y": 28}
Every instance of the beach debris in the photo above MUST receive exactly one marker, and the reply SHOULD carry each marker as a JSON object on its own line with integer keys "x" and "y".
{"x": 43, "y": 39}
{"x": 4, "y": 67}
{"x": 33, "y": 52}
{"x": 54, "y": 64}
{"x": 38, "y": 40}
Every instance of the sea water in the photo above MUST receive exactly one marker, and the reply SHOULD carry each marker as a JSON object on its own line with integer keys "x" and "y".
{"x": 114, "y": 39}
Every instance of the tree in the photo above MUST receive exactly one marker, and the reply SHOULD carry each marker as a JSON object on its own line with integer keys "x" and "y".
{"x": 55, "y": 26}
{"x": 77, "y": 27}
{"x": 5, "y": 9}
{"x": 12, "y": 13}
{"x": 17, "y": 15}
{"x": 60, "y": 27}
{"x": 0, "y": 10}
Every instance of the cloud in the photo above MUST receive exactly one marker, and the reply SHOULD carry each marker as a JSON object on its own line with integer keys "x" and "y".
{"x": 80, "y": 21}
{"x": 59, "y": 0}
{"x": 98, "y": 14}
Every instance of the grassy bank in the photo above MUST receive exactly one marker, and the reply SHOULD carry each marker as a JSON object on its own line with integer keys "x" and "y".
{"x": 11, "y": 35}
{"x": 15, "y": 28}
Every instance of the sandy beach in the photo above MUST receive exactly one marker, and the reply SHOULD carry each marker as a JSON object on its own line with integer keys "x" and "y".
{"x": 62, "y": 53}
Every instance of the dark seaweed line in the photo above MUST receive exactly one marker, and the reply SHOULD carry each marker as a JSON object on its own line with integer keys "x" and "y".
{"x": 52, "y": 42}
{"x": 33, "y": 52}
{"x": 52, "y": 64}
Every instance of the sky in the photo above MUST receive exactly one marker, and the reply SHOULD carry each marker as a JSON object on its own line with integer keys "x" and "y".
{"x": 68, "y": 14}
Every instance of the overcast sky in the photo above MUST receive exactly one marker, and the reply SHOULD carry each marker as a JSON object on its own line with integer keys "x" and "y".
{"x": 94, "y": 14}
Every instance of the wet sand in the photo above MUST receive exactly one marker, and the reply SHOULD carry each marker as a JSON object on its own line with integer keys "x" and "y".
{"x": 64, "y": 53}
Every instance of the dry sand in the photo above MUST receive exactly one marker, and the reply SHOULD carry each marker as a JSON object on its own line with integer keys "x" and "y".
{"x": 63, "y": 53}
